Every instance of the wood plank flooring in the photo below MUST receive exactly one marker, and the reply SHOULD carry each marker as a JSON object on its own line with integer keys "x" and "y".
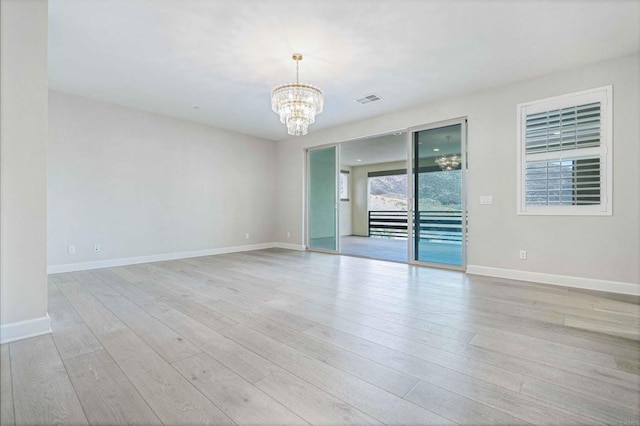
{"x": 283, "y": 337}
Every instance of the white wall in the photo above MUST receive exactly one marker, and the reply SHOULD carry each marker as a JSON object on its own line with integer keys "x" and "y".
{"x": 360, "y": 211}
{"x": 23, "y": 169}
{"x": 586, "y": 251}
{"x": 142, "y": 184}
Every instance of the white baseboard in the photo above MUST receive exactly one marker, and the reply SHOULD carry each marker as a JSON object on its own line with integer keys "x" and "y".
{"x": 25, "y": 329}
{"x": 287, "y": 246}
{"x": 108, "y": 263}
{"x": 562, "y": 280}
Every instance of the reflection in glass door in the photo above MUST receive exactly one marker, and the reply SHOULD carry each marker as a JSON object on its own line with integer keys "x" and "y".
{"x": 322, "y": 200}
{"x": 439, "y": 221}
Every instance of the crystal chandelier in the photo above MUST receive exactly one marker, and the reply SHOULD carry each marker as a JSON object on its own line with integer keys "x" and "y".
{"x": 297, "y": 103}
{"x": 448, "y": 163}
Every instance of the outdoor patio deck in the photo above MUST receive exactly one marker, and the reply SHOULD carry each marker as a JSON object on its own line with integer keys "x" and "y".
{"x": 396, "y": 249}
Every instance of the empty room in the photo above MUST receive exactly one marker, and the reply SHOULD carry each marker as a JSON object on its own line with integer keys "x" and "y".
{"x": 297, "y": 212}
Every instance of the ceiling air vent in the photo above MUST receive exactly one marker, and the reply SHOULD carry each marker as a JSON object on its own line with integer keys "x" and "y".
{"x": 368, "y": 99}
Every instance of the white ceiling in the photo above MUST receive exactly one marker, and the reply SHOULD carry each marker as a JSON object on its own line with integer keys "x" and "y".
{"x": 380, "y": 149}
{"x": 169, "y": 56}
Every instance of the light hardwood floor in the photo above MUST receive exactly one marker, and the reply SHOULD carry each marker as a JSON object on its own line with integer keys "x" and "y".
{"x": 283, "y": 337}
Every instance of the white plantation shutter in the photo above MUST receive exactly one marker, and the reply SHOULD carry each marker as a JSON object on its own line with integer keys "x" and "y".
{"x": 564, "y": 154}
{"x": 563, "y": 129}
{"x": 564, "y": 182}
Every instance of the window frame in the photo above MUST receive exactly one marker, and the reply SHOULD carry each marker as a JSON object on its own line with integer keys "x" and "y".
{"x": 346, "y": 174}
{"x": 603, "y": 95}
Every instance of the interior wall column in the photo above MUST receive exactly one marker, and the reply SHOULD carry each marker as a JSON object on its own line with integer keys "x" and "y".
{"x": 23, "y": 169}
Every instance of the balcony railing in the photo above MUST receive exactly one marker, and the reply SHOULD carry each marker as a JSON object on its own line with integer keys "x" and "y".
{"x": 441, "y": 225}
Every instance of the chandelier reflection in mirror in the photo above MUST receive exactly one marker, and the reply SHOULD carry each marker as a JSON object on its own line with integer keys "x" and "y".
{"x": 297, "y": 104}
{"x": 450, "y": 162}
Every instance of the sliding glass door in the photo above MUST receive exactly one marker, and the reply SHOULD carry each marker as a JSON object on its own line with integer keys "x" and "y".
{"x": 439, "y": 195}
{"x": 322, "y": 200}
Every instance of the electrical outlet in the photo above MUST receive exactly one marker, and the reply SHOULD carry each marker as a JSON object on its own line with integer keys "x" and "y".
{"x": 523, "y": 254}
{"x": 71, "y": 250}
{"x": 246, "y": 236}
{"x": 96, "y": 248}
{"x": 288, "y": 234}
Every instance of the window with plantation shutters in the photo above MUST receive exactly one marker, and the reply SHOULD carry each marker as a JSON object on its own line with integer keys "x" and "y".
{"x": 564, "y": 154}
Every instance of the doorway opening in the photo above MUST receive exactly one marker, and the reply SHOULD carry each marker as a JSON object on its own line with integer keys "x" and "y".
{"x": 373, "y": 218}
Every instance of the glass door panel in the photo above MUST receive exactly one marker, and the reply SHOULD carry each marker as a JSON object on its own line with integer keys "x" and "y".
{"x": 439, "y": 221}
{"x": 323, "y": 212}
